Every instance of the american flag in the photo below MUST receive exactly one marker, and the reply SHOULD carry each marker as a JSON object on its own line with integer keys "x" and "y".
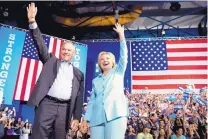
{"x": 163, "y": 66}
{"x": 30, "y": 66}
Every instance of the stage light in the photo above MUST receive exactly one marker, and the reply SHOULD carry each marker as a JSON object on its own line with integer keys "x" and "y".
{"x": 5, "y": 14}
{"x": 163, "y": 32}
{"x": 175, "y": 6}
{"x": 73, "y": 38}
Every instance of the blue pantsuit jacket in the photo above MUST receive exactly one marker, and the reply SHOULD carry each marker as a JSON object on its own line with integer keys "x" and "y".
{"x": 108, "y": 101}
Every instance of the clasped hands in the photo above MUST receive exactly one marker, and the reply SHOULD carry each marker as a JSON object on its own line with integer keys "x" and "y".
{"x": 83, "y": 126}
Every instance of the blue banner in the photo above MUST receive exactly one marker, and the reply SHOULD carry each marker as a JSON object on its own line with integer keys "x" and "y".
{"x": 80, "y": 59}
{"x": 11, "y": 44}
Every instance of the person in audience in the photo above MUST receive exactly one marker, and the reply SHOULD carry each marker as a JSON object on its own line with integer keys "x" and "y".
{"x": 58, "y": 93}
{"x": 25, "y": 131}
{"x": 21, "y": 128}
{"x": 131, "y": 133}
{"x": 30, "y": 127}
{"x": 202, "y": 126}
{"x": 2, "y": 119}
{"x": 107, "y": 109}
{"x": 162, "y": 134}
{"x": 192, "y": 131}
{"x": 179, "y": 122}
{"x": 5, "y": 111}
{"x": 84, "y": 131}
{"x": 10, "y": 126}
{"x": 179, "y": 134}
{"x": 17, "y": 124}
{"x": 146, "y": 133}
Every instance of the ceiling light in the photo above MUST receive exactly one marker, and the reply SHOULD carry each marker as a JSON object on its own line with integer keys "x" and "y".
{"x": 175, "y": 6}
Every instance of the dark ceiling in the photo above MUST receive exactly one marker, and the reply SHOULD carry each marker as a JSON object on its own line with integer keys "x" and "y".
{"x": 17, "y": 14}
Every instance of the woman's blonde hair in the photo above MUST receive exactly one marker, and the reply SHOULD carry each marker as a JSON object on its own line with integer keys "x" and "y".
{"x": 106, "y": 53}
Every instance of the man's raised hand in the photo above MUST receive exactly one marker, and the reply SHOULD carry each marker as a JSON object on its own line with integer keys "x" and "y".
{"x": 31, "y": 12}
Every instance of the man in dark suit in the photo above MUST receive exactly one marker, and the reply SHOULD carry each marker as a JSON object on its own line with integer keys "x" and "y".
{"x": 58, "y": 93}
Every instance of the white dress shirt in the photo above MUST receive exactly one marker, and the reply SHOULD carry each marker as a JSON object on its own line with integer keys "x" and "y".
{"x": 62, "y": 86}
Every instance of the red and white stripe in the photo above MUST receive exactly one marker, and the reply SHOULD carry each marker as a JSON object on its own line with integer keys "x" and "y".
{"x": 187, "y": 64}
{"x": 30, "y": 70}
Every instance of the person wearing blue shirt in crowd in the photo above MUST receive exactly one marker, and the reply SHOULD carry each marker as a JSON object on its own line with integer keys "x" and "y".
{"x": 107, "y": 109}
{"x": 179, "y": 134}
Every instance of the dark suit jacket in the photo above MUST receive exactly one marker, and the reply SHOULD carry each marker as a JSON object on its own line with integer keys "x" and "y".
{"x": 48, "y": 74}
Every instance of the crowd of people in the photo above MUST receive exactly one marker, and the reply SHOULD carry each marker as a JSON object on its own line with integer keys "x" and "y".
{"x": 182, "y": 114}
{"x": 12, "y": 126}
{"x": 151, "y": 116}
{"x": 163, "y": 116}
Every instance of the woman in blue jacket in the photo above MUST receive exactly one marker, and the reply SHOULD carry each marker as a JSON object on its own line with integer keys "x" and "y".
{"x": 107, "y": 109}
